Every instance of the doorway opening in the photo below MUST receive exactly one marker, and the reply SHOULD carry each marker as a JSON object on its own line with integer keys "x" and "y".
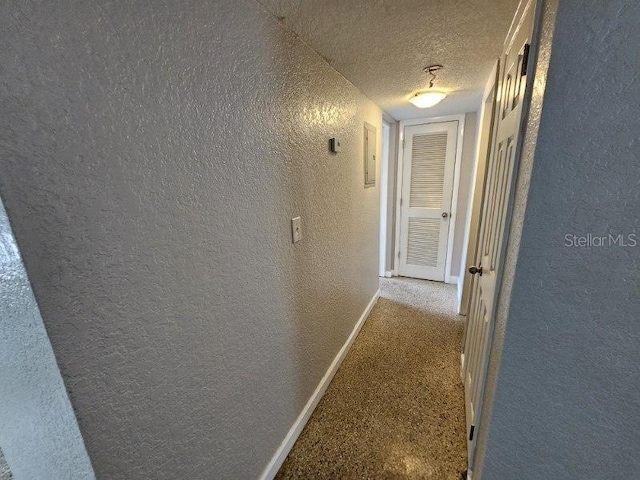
{"x": 429, "y": 162}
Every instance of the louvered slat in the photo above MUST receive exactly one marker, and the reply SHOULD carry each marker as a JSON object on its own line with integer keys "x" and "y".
{"x": 427, "y": 170}
{"x": 423, "y": 245}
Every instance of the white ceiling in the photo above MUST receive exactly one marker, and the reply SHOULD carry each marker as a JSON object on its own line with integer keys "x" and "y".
{"x": 382, "y": 46}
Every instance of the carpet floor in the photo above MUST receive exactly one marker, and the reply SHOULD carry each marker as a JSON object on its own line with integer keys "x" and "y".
{"x": 5, "y": 473}
{"x": 395, "y": 408}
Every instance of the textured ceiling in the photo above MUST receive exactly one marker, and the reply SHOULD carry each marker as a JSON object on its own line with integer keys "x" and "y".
{"x": 382, "y": 46}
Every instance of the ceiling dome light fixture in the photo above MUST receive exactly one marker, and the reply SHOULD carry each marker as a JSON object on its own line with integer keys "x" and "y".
{"x": 429, "y": 98}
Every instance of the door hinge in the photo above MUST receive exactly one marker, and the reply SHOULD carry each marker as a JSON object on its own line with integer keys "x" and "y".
{"x": 525, "y": 59}
{"x": 400, "y": 202}
{"x": 471, "y": 432}
{"x": 398, "y": 253}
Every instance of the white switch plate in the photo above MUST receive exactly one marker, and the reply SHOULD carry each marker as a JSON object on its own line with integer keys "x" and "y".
{"x": 296, "y": 229}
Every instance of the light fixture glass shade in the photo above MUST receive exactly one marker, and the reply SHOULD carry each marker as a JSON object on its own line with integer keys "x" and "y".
{"x": 427, "y": 99}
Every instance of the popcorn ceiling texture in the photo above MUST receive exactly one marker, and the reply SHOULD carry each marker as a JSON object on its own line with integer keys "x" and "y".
{"x": 152, "y": 155}
{"x": 382, "y": 46}
{"x": 567, "y": 397}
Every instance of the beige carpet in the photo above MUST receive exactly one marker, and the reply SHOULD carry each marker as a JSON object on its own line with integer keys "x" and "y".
{"x": 395, "y": 408}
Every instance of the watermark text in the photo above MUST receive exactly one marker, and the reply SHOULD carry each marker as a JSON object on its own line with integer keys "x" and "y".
{"x": 601, "y": 241}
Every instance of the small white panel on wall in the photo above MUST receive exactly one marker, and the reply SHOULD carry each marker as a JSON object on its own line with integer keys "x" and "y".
{"x": 369, "y": 155}
{"x": 334, "y": 145}
{"x": 296, "y": 229}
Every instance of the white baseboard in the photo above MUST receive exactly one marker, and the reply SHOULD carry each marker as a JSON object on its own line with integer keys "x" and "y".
{"x": 287, "y": 444}
{"x": 462, "y": 368}
{"x": 451, "y": 280}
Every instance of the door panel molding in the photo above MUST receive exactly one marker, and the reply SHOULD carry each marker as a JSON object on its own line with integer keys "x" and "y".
{"x": 539, "y": 60}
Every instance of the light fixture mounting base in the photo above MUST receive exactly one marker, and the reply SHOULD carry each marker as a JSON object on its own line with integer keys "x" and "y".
{"x": 432, "y": 68}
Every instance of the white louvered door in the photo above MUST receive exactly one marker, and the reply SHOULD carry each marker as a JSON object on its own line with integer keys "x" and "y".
{"x": 427, "y": 188}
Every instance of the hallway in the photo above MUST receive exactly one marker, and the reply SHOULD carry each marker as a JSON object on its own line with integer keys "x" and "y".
{"x": 396, "y": 406}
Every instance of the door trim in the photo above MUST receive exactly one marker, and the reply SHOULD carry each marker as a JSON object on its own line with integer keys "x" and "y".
{"x": 486, "y": 117}
{"x": 384, "y": 196}
{"x": 448, "y": 276}
{"x": 539, "y": 61}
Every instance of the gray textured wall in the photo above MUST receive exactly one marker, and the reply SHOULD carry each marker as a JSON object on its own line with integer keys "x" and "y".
{"x": 567, "y": 397}
{"x": 152, "y": 156}
{"x": 39, "y": 434}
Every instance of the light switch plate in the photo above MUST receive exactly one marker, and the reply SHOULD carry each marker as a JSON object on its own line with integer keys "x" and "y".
{"x": 296, "y": 229}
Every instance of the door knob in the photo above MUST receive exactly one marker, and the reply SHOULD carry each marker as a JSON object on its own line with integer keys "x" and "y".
{"x": 474, "y": 270}
{"x": 445, "y": 214}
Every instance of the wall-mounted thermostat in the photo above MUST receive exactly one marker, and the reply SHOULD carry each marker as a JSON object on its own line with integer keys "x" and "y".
{"x": 296, "y": 229}
{"x": 334, "y": 145}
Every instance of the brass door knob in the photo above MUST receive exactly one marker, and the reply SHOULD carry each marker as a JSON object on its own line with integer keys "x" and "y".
{"x": 474, "y": 270}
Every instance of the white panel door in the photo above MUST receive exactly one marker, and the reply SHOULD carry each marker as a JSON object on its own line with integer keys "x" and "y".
{"x": 494, "y": 221}
{"x": 425, "y": 202}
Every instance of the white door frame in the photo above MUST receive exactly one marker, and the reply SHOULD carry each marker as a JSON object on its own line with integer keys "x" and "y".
{"x": 448, "y": 277}
{"x": 484, "y": 140}
{"x": 384, "y": 196}
{"x": 484, "y": 405}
